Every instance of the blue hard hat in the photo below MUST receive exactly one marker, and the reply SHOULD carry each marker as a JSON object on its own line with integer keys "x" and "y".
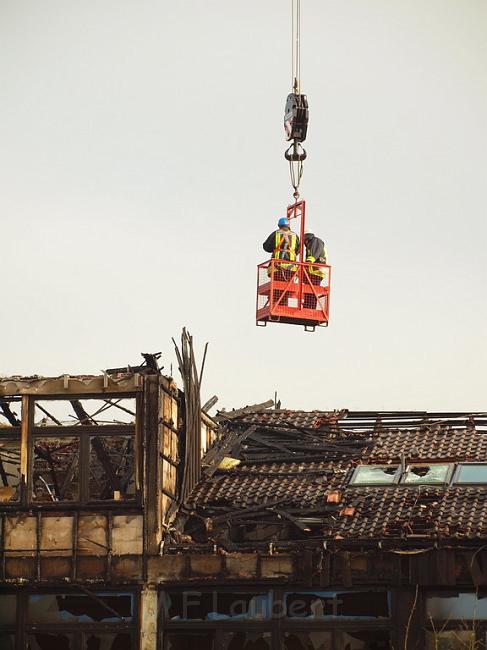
{"x": 283, "y": 221}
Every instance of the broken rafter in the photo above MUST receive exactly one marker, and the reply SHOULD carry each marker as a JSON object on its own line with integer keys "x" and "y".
{"x": 224, "y": 448}
{"x": 256, "y": 408}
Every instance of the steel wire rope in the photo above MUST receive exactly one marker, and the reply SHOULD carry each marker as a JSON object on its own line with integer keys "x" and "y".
{"x": 296, "y": 166}
{"x": 296, "y": 45}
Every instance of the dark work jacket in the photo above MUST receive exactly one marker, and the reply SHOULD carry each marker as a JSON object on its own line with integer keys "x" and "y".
{"x": 315, "y": 247}
{"x": 270, "y": 245}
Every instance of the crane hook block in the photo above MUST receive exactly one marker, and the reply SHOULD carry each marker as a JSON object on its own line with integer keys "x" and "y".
{"x": 295, "y": 153}
{"x": 296, "y": 116}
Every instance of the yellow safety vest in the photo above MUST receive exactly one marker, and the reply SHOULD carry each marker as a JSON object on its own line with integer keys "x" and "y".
{"x": 285, "y": 248}
{"x": 314, "y": 270}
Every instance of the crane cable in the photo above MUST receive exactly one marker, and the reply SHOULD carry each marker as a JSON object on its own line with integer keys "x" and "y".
{"x": 296, "y": 164}
{"x": 296, "y": 46}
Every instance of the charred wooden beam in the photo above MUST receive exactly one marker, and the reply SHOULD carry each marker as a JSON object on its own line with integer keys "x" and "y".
{"x": 255, "y": 408}
{"x": 192, "y": 404}
{"x": 112, "y": 478}
{"x": 223, "y": 448}
{"x": 81, "y": 414}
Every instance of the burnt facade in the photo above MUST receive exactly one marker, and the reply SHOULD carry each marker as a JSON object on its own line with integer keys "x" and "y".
{"x": 88, "y": 478}
{"x": 130, "y": 519}
{"x": 332, "y": 531}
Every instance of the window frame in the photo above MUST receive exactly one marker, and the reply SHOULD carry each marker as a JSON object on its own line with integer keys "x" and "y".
{"x": 458, "y": 470}
{"x": 84, "y": 433}
{"x": 23, "y": 629}
{"x": 398, "y": 476}
{"x": 277, "y": 625}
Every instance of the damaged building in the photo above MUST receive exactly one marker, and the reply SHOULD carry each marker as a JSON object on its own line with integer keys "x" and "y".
{"x": 131, "y": 519}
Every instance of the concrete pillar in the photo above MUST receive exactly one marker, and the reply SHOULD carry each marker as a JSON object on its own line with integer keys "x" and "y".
{"x": 148, "y": 619}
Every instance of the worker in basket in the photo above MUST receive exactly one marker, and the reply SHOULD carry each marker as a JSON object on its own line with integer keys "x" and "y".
{"x": 315, "y": 253}
{"x": 283, "y": 243}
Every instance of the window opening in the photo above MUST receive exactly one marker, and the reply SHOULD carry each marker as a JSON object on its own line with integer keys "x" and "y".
{"x": 374, "y": 475}
{"x": 426, "y": 474}
{"x": 333, "y": 604}
{"x": 79, "y": 608}
{"x": 56, "y": 469}
{"x": 76, "y": 412}
{"x": 456, "y": 607}
{"x": 10, "y": 413}
{"x": 9, "y": 469}
{"x": 472, "y": 473}
{"x": 214, "y": 606}
{"x": 112, "y": 468}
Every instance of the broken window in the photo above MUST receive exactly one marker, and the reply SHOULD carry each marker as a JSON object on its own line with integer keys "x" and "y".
{"x": 79, "y": 608}
{"x": 332, "y": 604}
{"x": 471, "y": 473}
{"x": 112, "y": 468}
{"x": 215, "y": 606}
{"x": 56, "y": 469}
{"x": 189, "y": 640}
{"x": 375, "y": 475}
{"x": 456, "y": 607}
{"x": 426, "y": 474}
{"x": 451, "y": 640}
{"x": 247, "y": 641}
{"x": 363, "y": 640}
{"x": 313, "y": 640}
{"x": 9, "y": 469}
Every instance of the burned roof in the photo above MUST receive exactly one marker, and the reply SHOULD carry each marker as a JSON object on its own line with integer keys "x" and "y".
{"x": 294, "y": 471}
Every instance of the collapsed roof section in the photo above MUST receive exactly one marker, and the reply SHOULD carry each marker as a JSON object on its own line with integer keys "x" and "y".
{"x": 282, "y": 477}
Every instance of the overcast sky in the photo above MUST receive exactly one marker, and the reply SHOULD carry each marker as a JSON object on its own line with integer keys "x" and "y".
{"x": 141, "y": 167}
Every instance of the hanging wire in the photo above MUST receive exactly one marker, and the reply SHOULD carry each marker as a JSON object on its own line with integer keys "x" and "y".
{"x": 296, "y": 154}
{"x": 296, "y": 46}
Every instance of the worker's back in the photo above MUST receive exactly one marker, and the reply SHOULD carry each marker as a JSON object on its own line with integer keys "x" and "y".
{"x": 283, "y": 244}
